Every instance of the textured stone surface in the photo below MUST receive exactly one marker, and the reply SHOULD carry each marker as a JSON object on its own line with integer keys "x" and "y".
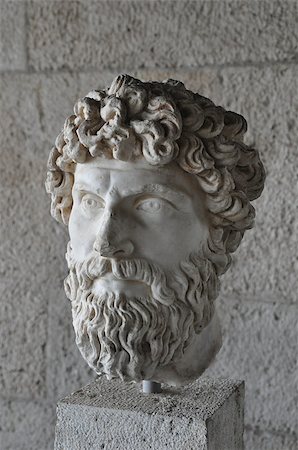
{"x": 22, "y": 356}
{"x": 118, "y": 416}
{"x": 24, "y": 277}
{"x": 12, "y": 35}
{"x": 259, "y": 347}
{"x": 256, "y": 439}
{"x": 32, "y": 248}
{"x": 26, "y": 425}
{"x": 84, "y": 35}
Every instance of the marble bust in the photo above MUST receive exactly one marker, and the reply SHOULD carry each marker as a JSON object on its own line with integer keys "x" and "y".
{"x": 155, "y": 185}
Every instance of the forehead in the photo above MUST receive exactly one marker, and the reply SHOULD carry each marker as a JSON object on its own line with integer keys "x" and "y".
{"x": 106, "y": 173}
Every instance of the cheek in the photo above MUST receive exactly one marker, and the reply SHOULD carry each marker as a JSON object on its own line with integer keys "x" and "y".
{"x": 187, "y": 235}
{"x": 82, "y": 236}
{"x": 191, "y": 237}
{"x": 173, "y": 242}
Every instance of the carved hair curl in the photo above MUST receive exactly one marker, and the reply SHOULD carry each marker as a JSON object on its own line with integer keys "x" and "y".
{"x": 163, "y": 122}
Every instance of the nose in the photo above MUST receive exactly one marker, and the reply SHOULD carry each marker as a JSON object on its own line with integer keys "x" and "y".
{"x": 109, "y": 243}
{"x": 109, "y": 250}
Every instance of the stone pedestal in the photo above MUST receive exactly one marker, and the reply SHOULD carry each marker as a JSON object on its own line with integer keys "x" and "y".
{"x": 112, "y": 415}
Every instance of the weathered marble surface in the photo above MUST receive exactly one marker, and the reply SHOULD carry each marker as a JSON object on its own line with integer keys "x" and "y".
{"x": 155, "y": 184}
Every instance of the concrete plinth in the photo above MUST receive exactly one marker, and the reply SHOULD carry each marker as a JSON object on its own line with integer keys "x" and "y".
{"x": 112, "y": 415}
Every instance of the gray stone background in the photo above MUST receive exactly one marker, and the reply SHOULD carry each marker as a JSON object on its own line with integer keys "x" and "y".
{"x": 244, "y": 55}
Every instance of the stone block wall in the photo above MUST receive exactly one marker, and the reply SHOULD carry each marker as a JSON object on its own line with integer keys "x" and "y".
{"x": 241, "y": 53}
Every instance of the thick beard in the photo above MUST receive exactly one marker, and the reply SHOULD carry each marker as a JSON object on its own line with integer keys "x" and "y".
{"x": 130, "y": 337}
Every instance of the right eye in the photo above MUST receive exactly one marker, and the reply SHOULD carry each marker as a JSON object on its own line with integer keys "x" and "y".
{"x": 91, "y": 203}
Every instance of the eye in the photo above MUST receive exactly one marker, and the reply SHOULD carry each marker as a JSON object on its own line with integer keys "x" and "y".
{"x": 151, "y": 205}
{"x": 91, "y": 203}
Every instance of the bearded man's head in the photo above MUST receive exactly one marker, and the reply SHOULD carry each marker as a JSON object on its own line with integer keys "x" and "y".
{"x": 155, "y": 184}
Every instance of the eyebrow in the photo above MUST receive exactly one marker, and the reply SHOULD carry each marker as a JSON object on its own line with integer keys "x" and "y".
{"x": 155, "y": 188}
{"x": 86, "y": 187}
{"x": 145, "y": 189}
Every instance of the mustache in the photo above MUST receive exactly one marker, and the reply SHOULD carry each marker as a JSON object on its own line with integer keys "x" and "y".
{"x": 95, "y": 267}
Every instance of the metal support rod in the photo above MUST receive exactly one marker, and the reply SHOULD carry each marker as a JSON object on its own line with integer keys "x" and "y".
{"x": 151, "y": 387}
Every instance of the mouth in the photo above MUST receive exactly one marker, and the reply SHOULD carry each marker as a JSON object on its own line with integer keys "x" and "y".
{"x": 109, "y": 282}
{"x": 109, "y": 276}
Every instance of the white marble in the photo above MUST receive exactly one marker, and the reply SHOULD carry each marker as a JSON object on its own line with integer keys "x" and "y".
{"x": 154, "y": 183}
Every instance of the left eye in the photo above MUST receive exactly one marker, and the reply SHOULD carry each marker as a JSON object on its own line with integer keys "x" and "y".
{"x": 151, "y": 205}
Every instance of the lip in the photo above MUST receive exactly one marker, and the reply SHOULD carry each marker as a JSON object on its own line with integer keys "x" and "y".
{"x": 110, "y": 277}
{"x": 109, "y": 282}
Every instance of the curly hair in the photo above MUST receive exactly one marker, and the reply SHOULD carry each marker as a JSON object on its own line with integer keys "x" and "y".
{"x": 164, "y": 122}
